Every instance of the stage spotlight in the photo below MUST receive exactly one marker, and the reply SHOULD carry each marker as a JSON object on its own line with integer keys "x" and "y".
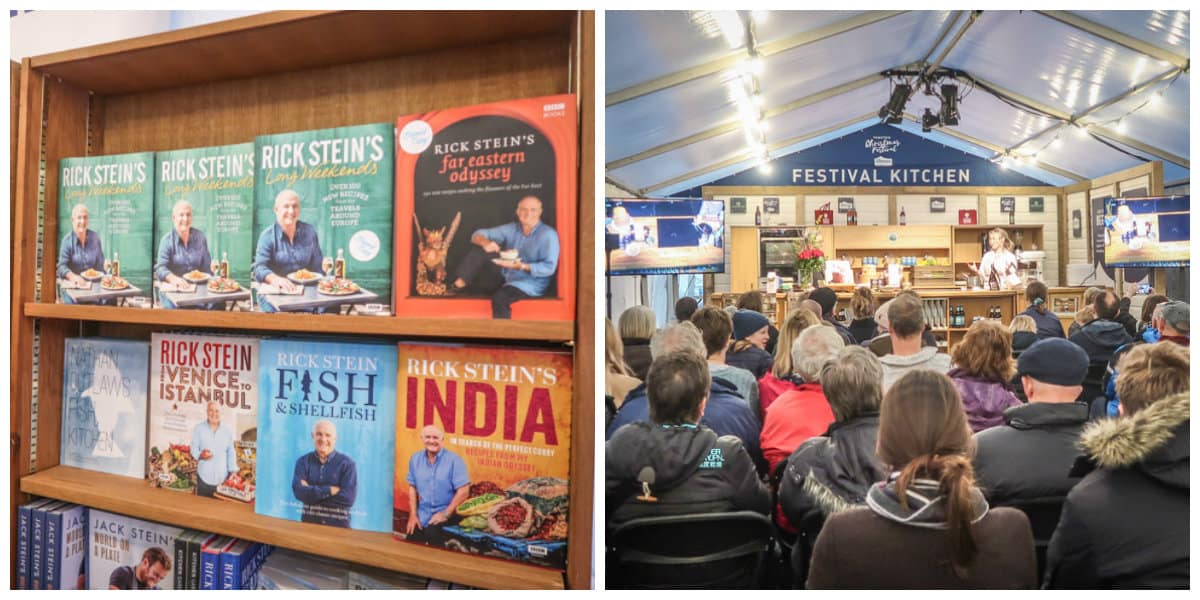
{"x": 929, "y": 121}
{"x": 893, "y": 111}
{"x": 949, "y": 111}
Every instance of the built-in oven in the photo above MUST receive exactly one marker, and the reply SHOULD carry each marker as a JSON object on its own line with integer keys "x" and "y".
{"x": 777, "y": 250}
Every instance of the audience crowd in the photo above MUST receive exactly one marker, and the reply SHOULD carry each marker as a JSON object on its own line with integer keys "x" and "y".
{"x": 1026, "y": 457}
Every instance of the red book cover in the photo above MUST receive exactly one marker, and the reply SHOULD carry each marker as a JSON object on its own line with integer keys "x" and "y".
{"x": 486, "y": 198}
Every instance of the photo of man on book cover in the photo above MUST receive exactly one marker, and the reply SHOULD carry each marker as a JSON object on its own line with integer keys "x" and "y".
{"x": 485, "y": 206}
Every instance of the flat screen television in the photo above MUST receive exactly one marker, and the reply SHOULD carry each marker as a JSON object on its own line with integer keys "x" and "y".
{"x": 1151, "y": 231}
{"x": 664, "y": 236}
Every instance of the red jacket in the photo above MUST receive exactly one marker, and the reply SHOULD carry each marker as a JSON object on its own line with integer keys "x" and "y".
{"x": 791, "y": 419}
{"x": 770, "y": 388}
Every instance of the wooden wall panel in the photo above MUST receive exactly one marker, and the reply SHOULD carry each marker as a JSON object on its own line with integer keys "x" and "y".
{"x": 230, "y": 112}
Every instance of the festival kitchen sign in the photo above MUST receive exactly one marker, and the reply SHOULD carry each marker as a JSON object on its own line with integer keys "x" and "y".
{"x": 881, "y": 155}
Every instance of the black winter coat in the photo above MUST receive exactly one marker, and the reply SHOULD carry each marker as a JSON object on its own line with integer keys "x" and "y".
{"x": 694, "y": 472}
{"x": 1125, "y": 525}
{"x": 637, "y": 356}
{"x": 1029, "y": 458}
{"x": 1100, "y": 339}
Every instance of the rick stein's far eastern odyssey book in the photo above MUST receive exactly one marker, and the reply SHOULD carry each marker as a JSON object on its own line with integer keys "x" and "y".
{"x": 104, "y": 405}
{"x": 204, "y": 227}
{"x": 125, "y": 553}
{"x": 204, "y": 405}
{"x": 497, "y": 422}
{"x": 327, "y": 432}
{"x": 334, "y": 187}
{"x": 105, "y": 222}
{"x": 503, "y": 173}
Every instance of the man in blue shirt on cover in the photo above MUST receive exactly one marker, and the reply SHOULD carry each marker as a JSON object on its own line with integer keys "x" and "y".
{"x": 287, "y": 246}
{"x": 182, "y": 250}
{"x": 79, "y": 250}
{"x": 508, "y": 281}
{"x": 212, "y": 447}
{"x": 325, "y": 480}
{"x": 437, "y": 484}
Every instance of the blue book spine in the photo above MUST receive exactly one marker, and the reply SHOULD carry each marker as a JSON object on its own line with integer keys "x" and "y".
{"x": 24, "y": 534}
{"x": 53, "y": 550}
{"x": 229, "y": 567}
{"x": 210, "y": 564}
{"x": 259, "y": 556}
{"x": 37, "y": 552}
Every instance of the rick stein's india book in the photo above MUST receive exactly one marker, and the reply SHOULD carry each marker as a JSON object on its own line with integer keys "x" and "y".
{"x": 327, "y": 432}
{"x": 105, "y": 225}
{"x": 483, "y": 450}
{"x": 486, "y": 199}
{"x": 204, "y": 227}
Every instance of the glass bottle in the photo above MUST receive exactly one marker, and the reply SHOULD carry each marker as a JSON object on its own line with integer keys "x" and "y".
{"x": 903, "y": 218}
{"x": 116, "y": 265}
{"x": 224, "y": 265}
{"x": 757, "y": 216}
{"x": 339, "y": 266}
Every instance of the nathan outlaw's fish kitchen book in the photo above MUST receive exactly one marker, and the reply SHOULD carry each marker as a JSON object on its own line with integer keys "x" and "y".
{"x": 105, "y": 222}
{"x": 104, "y": 405}
{"x": 204, "y": 227}
{"x": 327, "y": 432}
{"x": 323, "y": 219}
{"x": 204, "y": 404}
{"x": 496, "y": 421}
{"x": 486, "y": 199}
{"x": 125, "y": 553}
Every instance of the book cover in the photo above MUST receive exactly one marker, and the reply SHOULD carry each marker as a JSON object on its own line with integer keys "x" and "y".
{"x": 483, "y": 450}
{"x": 327, "y": 432}
{"x": 104, "y": 405}
{"x": 210, "y": 562}
{"x": 125, "y": 553}
{"x": 25, "y": 518}
{"x": 486, "y": 199}
{"x": 204, "y": 414}
{"x": 204, "y": 227}
{"x": 105, "y": 224}
{"x": 66, "y": 548}
{"x": 37, "y": 555}
{"x": 323, "y": 220}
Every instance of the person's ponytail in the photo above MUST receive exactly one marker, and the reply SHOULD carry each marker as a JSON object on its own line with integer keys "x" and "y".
{"x": 957, "y": 480}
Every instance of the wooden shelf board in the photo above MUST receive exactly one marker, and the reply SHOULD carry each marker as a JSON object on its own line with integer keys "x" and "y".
{"x": 284, "y": 41}
{"x": 136, "y": 498}
{"x": 553, "y": 331}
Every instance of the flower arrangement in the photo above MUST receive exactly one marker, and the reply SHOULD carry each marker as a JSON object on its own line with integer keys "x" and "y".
{"x": 810, "y": 260}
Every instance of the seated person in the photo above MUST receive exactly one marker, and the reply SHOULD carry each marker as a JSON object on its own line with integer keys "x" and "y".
{"x": 906, "y": 323}
{"x": 1171, "y": 322}
{"x": 926, "y": 525}
{"x": 528, "y": 276}
{"x": 285, "y": 247}
{"x": 983, "y": 365}
{"x": 751, "y": 332}
{"x": 694, "y": 469}
{"x": 78, "y": 251}
{"x": 726, "y": 412}
{"x": 1125, "y": 525}
{"x": 803, "y": 413}
{"x": 716, "y": 329}
{"x": 1101, "y": 337}
{"x": 827, "y": 298}
{"x": 182, "y": 250}
{"x": 831, "y": 473}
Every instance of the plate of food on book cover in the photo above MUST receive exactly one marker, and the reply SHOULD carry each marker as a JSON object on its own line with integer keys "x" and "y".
{"x": 114, "y": 282}
{"x": 337, "y": 287}
{"x": 221, "y": 285}
{"x": 304, "y": 277}
{"x": 196, "y": 276}
{"x": 92, "y": 274}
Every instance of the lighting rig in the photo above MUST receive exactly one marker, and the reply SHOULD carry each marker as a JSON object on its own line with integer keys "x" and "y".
{"x": 933, "y": 84}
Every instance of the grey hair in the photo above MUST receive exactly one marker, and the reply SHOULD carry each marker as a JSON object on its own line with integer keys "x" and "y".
{"x": 636, "y": 322}
{"x": 284, "y": 194}
{"x": 815, "y": 346}
{"x": 678, "y": 337}
{"x": 327, "y": 422}
{"x": 881, "y": 315}
{"x": 180, "y": 204}
{"x": 853, "y": 383}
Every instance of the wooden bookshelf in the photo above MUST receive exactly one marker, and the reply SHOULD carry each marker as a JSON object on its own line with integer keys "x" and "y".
{"x": 552, "y": 331}
{"x": 129, "y": 496}
{"x": 278, "y": 72}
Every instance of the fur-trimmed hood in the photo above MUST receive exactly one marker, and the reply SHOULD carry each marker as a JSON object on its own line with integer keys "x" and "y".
{"x": 1155, "y": 441}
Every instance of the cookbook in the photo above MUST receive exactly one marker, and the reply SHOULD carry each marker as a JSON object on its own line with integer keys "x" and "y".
{"x": 125, "y": 553}
{"x": 483, "y": 450}
{"x": 105, "y": 225}
{"x": 104, "y": 405}
{"x": 204, "y": 225}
